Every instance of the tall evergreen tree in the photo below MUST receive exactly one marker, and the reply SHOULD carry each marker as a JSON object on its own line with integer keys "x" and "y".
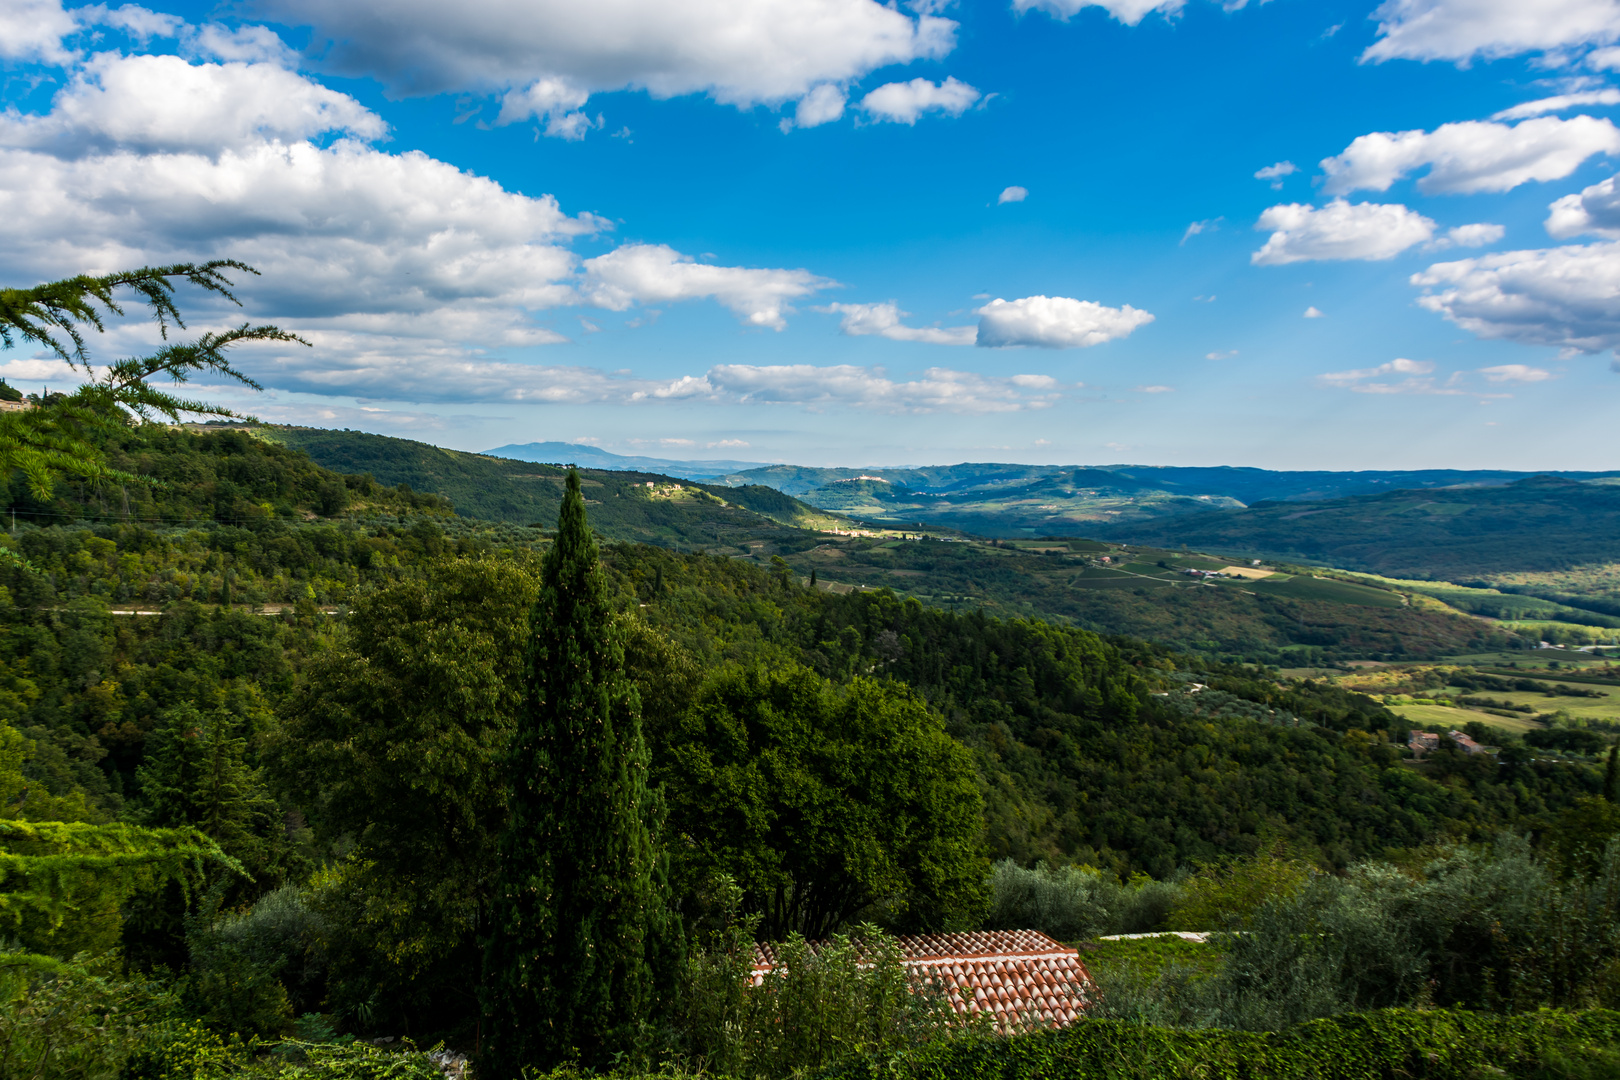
{"x": 196, "y": 774}
{"x": 583, "y": 944}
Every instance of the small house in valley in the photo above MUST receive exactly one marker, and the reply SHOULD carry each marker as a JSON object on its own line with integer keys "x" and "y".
{"x": 1022, "y": 978}
{"x": 1422, "y": 742}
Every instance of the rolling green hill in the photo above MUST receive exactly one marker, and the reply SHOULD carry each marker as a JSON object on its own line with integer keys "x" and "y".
{"x": 1070, "y": 503}
{"x": 1000, "y": 500}
{"x": 1464, "y": 535}
{"x": 1243, "y": 484}
{"x": 1290, "y": 617}
{"x": 1142, "y": 592}
{"x": 642, "y": 507}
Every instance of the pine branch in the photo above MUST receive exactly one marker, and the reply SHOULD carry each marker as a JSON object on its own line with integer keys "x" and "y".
{"x": 62, "y": 435}
{"x": 47, "y": 314}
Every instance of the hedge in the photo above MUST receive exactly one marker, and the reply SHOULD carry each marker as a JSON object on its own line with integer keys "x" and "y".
{"x": 1394, "y": 1044}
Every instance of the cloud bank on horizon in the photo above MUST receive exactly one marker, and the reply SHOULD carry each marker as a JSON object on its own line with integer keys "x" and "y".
{"x": 631, "y": 205}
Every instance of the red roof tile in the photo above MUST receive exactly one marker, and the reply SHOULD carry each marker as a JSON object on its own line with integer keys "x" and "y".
{"x": 1022, "y": 977}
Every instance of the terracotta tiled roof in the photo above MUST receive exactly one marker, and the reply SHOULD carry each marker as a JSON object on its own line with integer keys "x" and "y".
{"x": 1022, "y": 977}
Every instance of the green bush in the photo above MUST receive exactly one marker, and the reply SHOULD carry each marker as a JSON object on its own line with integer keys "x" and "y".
{"x": 848, "y": 998}
{"x": 69, "y": 1021}
{"x": 1480, "y": 928}
{"x": 244, "y": 964}
{"x": 1434, "y": 1045}
{"x": 1072, "y": 903}
{"x": 190, "y": 1051}
{"x": 1219, "y": 897}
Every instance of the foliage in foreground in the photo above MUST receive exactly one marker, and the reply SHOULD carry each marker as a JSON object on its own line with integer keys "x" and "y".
{"x": 1479, "y": 928}
{"x": 816, "y": 1007}
{"x": 1434, "y": 1045}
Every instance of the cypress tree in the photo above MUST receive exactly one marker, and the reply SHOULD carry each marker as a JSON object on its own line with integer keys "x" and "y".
{"x": 583, "y": 944}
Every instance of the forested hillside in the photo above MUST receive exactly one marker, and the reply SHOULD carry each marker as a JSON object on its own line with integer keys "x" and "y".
{"x": 1465, "y": 535}
{"x": 1042, "y": 707}
{"x": 327, "y": 685}
{"x": 647, "y": 507}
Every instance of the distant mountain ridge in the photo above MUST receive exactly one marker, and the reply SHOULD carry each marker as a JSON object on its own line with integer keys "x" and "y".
{"x": 1010, "y": 500}
{"x": 1246, "y": 485}
{"x": 1542, "y": 523}
{"x": 589, "y": 457}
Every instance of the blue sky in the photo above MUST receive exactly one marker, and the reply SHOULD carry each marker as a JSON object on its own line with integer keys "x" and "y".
{"x": 833, "y": 232}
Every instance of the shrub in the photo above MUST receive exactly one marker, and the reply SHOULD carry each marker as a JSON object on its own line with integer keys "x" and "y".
{"x": 849, "y": 997}
{"x": 1072, "y": 903}
{"x": 1218, "y": 898}
{"x": 243, "y": 965}
{"x": 69, "y": 1021}
{"x": 1435, "y": 1045}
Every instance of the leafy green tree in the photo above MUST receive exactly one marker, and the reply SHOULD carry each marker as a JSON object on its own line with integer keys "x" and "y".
{"x": 584, "y": 946}
{"x": 395, "y": 747}
{"x": 824, "y": 803}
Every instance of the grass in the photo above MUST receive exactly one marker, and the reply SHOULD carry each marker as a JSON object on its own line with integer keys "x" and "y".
{"x": 1580, "y": 708}
{"x": 1445, "y": 716}
{"x": 1306, "y": 587}
{"x": 1495, "y": 604}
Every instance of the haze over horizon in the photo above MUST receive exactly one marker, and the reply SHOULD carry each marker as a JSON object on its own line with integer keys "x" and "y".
{"x": 1343, "y": 235}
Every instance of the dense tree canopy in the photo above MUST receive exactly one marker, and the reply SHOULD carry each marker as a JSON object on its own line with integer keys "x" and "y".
{"x": 396, "y": 747}
{"x": 824, "y": 803}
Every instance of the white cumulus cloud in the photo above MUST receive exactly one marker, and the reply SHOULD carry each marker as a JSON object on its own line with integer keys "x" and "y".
{"x": 1055, "y": 322}
{"x": 251, "y": 44}
{"x": 402, "y": 270}
{"x": 1594, "y": 210}
{"x": 1129, "y": 12}
{"x": 657, "y": 273}
{"x": 557, "y": 101}
{"x": 1471, "y": 156}
{"x": 904, "y": 102}
{"x": 1462, "y": 30}
{"x": 339, "y": 232}
{"x": 1013, "y": 194}
{"x": 1477, "y": 235}
{"x": 1558, "y": 103}
{"x": 134, "y": 20}
{"x": 162, "y": 103}
{"x": 1567, "y": 297}
{"x": 883, "y": 320}
{"x": 820, "y": 106}
{"x": 34, "y": 29}
{"x": 740, "y": 52}
{"x": 1275, "y": 173}
{"x": 1313, "y": 312}
{"x": 1339, "y": 230}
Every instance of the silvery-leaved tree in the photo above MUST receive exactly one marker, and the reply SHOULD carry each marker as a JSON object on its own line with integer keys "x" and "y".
{"x": 61, "y": 434}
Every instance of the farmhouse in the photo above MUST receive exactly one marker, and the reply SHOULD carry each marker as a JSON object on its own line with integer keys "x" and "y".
{"x": 1022, "y": 977}
{"x": 1422, "y": 742}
